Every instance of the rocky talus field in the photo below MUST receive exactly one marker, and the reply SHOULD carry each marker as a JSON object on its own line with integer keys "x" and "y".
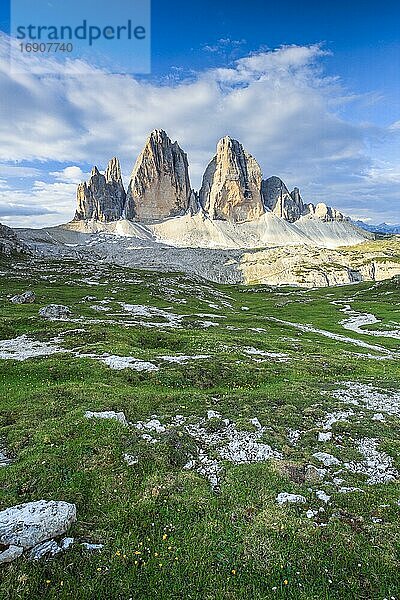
{"x": 173, "y": 438}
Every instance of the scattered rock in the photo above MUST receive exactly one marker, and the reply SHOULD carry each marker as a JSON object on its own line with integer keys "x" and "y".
{"x": 335, "y": 417}
{"x": 45, "y": 550}
{"x": 23, "y": 347}
{"x": 25, "y": 298}
{"x": 224, "y": 441}
{"x": 321, "y": 495}
{"x": 131, "y": 460}
{"x": 92, "y": 547}
{"x": 378, "y": 417}
{"x": 10, "y": 554}
{"x": 182, "y": 360}
{"x": 152, "y": 425}
{"x": 4, "y": 459}
{"x": 284, "y": 497}
{"x": 66, "y": 543}
{"x": 377, "y": 465}
{"x": 212, "y": 414}
{"x": 327, "y": 459}
{"x": 119, "y": 363}
{"x": 370, "y": 397}
{"x": 293, "y": 436}
{"x": 55, "y": 311}
{"x": 313, "y": 474}
{"x": 107, "y": 414}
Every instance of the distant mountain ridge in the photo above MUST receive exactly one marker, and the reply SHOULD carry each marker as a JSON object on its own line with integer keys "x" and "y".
{"x": 381, "y": 228}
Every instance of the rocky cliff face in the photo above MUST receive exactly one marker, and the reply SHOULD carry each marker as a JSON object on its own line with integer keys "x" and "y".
{"x": 325, "y": 213}
{"x": 231, "y": 188}
{"x": 277, "y": 199}
{"x": 159, "y": 186}
{"x": 290, "y": 206}
{"x": 103, "y": 197}
{"x": 10, "y": 243}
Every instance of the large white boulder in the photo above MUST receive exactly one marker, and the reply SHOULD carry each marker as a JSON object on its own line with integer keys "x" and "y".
{"x": 26, "y": 525}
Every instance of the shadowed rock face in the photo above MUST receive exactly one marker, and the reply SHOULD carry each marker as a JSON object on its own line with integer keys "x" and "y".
{"x": 159, "y": 187}
{"x": 103, "y": 197}
{"x": 290, "y": 206}
{"x": 278, "y": 200}
{"x": 231, "y": 188}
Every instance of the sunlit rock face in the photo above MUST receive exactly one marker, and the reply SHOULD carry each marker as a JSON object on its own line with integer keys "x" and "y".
{"x": 159, "y": 187}
{"x": 231, "y": 188}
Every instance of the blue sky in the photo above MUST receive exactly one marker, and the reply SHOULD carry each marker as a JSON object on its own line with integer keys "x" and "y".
{"x": 311, "y": 89}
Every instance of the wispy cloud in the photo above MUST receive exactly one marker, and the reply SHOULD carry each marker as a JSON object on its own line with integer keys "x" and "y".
{"x": 224, "y": 45}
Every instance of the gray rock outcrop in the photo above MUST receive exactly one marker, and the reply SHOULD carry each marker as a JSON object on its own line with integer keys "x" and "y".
{"x": 26, "y": 525}
{"x": 55, "y": 311}
{"x": 290, "y": 205}
{"x": 25, "y": 298}
{"x": 325, "y": 213}
{"x": 103, "y": 197}
{"x": 277, "y": 199}
{"x": 107, "y": 414}
{"x": 10, "y": 243}
{"x": 159, "y": 187}
{"x": 231, "y": 188}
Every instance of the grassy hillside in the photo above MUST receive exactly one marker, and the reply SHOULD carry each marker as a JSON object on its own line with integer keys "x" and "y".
{"x": 166, "y": 532}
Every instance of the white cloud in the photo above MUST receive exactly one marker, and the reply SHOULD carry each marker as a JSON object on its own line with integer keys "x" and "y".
{"x": 73, "y": 174}
{"x": 45, "y": 204}
{"x": 278, "y": 103}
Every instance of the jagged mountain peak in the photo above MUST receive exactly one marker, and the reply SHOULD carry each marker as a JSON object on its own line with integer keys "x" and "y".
{"x": 102, "y": 198}
{"x": 113, "y": 171}
{"x": 231, "y": 187}
{"x": 159, "y": 187}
